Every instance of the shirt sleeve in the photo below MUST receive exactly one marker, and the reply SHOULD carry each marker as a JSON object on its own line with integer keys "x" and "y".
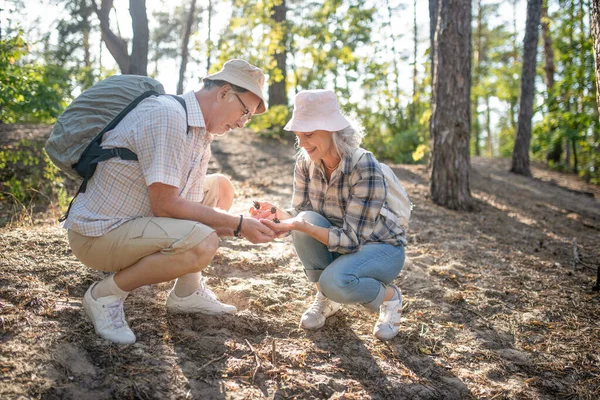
{"x": 300, "y": 199}
{"x": 365, "y": 200}
{"x": 159, "y": 142}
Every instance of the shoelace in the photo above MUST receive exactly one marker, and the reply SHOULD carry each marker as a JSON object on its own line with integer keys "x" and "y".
{"x": 319, "y": 303}
{"x": 386, "y": 312}
{"x": 206, "y": 292}
{"x": 116, "y": 314}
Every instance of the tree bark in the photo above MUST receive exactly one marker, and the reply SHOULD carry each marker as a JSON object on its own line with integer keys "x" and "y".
{"x": 116, "y": 46}
{"x": 433, "y": 20}
{"x": 394, "y": 55}
{"x": 278, "y": 89}
{"x": 548, "y": 51}
{"x": 451, "y": 110}
{"x": 137, "y": 62}
{"x": 141, "y": 36}
{"x": 209, "y": 41}
{"x": 520, "y": 158}
{"x": 556, "y": 150}
{"x": 187, "y": 31}
{"x": 595, "y": 27}
{"x": 488, "y": 126}
{"x": 413, "y": 109}
{"x": 477, "y": 79}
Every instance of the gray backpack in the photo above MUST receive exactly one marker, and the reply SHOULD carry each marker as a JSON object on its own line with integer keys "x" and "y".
{"x": 396, "y": 198}
{"x": 75, "y": 144}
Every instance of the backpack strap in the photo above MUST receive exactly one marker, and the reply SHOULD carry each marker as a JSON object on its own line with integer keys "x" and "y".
{"x": 95, "y": 153}
{"x": 182, "y": 102}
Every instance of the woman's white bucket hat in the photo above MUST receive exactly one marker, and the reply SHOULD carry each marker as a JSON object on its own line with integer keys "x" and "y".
{"x": 316, "y": 110}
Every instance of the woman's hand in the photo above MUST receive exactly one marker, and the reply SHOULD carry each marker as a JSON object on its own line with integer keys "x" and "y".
{"x": 289, "y": 224}
{"x": 266, "y": 210}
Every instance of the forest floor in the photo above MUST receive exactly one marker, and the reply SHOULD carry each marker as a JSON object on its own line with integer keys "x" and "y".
{"x": 493, "y": 306}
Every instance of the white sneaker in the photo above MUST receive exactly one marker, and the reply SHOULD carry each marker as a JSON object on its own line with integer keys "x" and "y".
{"x": 201, "y": 301}
{"x": 317, "y": 313}
{"x": 388, "y": 324}
{"x": 106, "y": 313}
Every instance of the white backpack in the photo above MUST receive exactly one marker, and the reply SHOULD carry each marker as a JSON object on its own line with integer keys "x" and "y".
{"x": 396, "y": 198}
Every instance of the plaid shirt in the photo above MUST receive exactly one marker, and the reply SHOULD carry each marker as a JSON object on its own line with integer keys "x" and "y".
{"x": 156, "y": 131}
{"x": 352, "y": 201}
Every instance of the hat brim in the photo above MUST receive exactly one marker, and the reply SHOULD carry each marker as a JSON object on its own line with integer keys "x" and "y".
{"x": 307, "y": 124}
{"x": 235, "y": 80}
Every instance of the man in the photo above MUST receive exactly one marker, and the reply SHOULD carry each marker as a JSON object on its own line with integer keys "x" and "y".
{"x": 160, "y": 218}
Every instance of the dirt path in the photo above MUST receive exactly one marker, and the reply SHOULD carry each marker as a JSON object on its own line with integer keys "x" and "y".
{"x": 493, "y": 308}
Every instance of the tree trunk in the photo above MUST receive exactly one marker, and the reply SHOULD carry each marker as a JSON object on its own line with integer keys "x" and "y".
{"x": 556, "y": 150}
{"x": 596, "y": 36}
{"x": 209, "y": 41}
{"x": 434, "y": 5}
{"x": 433, "y": 20}
{"x": 413, "y": 109}
{"x": 548, "y": 51}
{"x": 451, "y": 111}
{"x": 141, "y": 36}
{"x": 137, "y": 62}
{"x": 477, "y": 79}
{"x": 187, "y": 31}
{"x": 116, "y": 46}
{"x": 520, "y": 159}
{"x": 514, "y": 100}
{"x": 488, "y": 126}
{"x": 278, "y": 89}
{"x": 595, "y": 27}
{"x": 394, "y": 56}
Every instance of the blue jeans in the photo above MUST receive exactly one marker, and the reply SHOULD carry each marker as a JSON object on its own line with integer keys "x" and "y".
{"x": 359, "y": 277}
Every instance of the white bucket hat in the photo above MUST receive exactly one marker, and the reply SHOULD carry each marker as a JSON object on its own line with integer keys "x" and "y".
{"x": 316, "y": 110}
{"x": 243, "y": 74}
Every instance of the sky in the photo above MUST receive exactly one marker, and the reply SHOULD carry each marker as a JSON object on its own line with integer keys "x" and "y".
{"x": 39, "y": 15}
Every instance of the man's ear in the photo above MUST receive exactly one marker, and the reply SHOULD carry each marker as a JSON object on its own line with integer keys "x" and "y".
{"x": 223, "y": 91}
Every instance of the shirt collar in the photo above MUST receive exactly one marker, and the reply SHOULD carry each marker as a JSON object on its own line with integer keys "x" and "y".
{"x": 347, "y": 164}
{"x": 194, "y": 113}
{"x": 346, "y": 167}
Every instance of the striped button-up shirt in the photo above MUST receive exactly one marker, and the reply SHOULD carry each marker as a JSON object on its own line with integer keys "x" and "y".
{"x": 156, "y": 130}
{"x": 352, "y": 201}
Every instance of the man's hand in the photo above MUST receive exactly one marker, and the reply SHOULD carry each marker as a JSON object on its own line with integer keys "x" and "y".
{"x": 256, "y": 232}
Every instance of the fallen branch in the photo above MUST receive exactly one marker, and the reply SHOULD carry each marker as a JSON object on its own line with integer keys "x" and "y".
{"x": 212, "y": 361}
{"x": 575, "y": 254}
{"x": 578, "y": 260}
{"x": 256, "y": 359}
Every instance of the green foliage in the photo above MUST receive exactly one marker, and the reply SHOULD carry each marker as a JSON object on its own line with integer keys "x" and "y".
{"x": 570, "y": 111}
{"x": 272, "y": 122}
{"x": 29, "y": 92}
{"x": 27, "y": 176}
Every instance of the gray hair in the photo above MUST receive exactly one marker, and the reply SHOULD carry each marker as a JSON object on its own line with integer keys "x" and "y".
{"x": 212, "y": 83}
{"x": 345, "y": 141}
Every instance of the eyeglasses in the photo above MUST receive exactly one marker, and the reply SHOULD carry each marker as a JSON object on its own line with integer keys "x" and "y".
{"x": 247, "y": 116}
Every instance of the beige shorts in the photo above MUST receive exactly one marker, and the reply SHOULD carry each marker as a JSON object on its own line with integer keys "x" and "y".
{"x": 138, "y": 238}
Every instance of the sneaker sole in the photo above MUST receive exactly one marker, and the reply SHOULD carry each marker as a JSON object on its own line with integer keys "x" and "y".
{"x": 175, "y": 310}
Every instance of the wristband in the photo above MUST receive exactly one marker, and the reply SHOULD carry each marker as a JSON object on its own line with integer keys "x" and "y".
{"x": 238, "y": 231}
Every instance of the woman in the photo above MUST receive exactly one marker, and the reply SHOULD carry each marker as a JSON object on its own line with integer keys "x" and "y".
{"x": 349, "y": 243}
